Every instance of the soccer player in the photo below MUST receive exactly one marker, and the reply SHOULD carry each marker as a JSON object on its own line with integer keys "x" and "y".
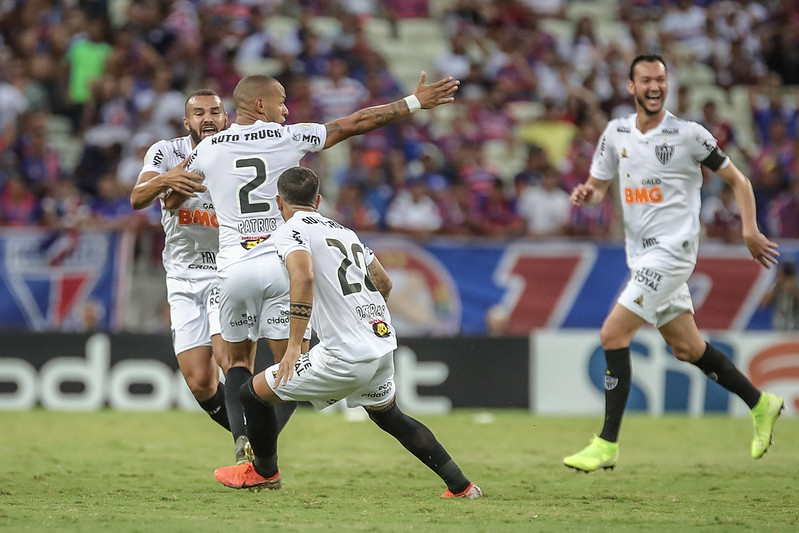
{"x": 657, "y": 159}
{"x": 241, "y": 166}
{"x": 338, "y": 285}
{"x": 189, "y": 257}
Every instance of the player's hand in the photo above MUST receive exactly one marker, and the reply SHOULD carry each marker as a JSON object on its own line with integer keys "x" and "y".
{"x": 440, "y": 92}
{"x": 182, "y": 181}
{"x": 762, "y": 249}
{"x": 286, "y": 369}
{"x": 581, "y": 194}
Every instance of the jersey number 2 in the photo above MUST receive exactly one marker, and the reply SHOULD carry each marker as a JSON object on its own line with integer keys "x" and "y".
{"x": 246, "y": 206}
{"x": 348, "y": 288}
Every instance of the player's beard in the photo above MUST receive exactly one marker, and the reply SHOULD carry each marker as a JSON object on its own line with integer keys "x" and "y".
{"x": 642, "y": 105}
{"x": 196, "y": 135}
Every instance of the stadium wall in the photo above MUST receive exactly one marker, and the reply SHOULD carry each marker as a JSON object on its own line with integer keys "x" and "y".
{"x": 550, "y": 372}
{"x": 82, "y": 281}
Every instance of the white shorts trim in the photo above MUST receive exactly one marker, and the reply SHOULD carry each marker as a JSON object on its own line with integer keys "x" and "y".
{"x": 193, "y": 312}
{"x": 323, "y": 379}
{"x": 657, "y": 290}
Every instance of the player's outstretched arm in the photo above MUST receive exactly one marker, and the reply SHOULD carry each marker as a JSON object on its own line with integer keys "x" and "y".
{"x": 371, "y": 118}
{"x": 761, "y": 248}
{"x": 151, "y": 184}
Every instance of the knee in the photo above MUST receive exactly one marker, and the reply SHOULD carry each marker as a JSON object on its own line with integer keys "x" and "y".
{"x": 201, "y": 385}
{"x": 684, "y": 351}
{"x": 612, "y": 339}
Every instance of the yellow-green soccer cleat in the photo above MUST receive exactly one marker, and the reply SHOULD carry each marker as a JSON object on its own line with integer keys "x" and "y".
{"x": 599, "y": 454}
{"x": 243, "y": 450}
{"x": 764, "y": 416}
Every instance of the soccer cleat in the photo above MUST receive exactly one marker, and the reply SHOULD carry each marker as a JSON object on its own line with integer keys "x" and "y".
{"x": 599, "y": 454}
{"x": 471, "y": 492}
{"x": 243, "y": 450}
{"x": 764, "y": 416}
{"x": 244, "y": 476}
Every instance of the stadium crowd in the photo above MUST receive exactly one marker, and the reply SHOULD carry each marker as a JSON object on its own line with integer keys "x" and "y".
{"x": 115, "y": 76}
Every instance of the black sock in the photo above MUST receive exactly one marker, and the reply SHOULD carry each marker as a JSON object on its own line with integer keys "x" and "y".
{"x": 617, "y": 389}
{"x": 720, "y": 369}
{"x": 421, "y": 442}
{"x": 215, "y": 407}
{"x": 236, "y": 377}
{"x": 261, "y": 430}
{"x": 284, "y": 411}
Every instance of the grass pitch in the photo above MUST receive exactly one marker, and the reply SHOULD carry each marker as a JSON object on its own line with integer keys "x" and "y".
{"x": 152, "y": 472}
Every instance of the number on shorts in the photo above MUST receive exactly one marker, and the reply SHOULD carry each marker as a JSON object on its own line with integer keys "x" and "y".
{"x": 348, "y": 288}
{"x": 246, "y": 206}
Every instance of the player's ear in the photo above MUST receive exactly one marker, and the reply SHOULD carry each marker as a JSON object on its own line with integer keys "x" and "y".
{"x": 279, "y": 201}
{"x": 186, "y": 124}
{"x": 318, "y": 200}
{"x": 630, "y": 87}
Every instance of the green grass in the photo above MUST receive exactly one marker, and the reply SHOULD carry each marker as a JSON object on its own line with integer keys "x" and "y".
{"x": 152, "y": 472}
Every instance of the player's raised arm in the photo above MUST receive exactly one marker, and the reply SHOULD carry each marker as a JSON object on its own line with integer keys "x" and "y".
{"x": 371, "y": 118}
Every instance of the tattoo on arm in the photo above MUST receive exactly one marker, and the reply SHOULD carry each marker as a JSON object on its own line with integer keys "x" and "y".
{"x": 300, "y": 310}
{"x": 384, "y": 114}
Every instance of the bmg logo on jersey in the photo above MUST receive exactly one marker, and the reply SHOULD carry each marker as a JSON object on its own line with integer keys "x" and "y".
{"x": 643, "y": 195}
{"x": 197, "y": 217}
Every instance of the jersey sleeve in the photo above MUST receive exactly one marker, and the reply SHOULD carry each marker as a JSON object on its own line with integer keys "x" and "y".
{"x": 604, "y": 165}
{"x": 307, "y": 136}
{"x": 194, "y": 163}
{"x": 156, "y": 158}
{"x": 704, "y": 148}
{"x": 289, "y": 238}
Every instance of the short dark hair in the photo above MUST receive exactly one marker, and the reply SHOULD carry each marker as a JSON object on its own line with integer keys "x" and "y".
{"x": 298, "y": 186}
{"x": 201, "y": 92}
{"x": 646, "y": 58}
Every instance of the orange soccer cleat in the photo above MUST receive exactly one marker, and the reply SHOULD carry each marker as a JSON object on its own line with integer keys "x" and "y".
{"x": 471, "y": 492}
{"x": 244, "y": 476}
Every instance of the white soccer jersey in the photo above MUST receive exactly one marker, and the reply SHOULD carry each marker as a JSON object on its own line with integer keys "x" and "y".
{"x": 659, "y": 181}
{"x": 349, "y": 315}
{"x": 241, "y": 166}
{"x": 192, "y": 238}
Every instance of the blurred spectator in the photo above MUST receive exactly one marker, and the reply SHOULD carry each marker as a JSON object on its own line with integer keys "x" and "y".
{"x": 337, "y": 95}
{"x": 720, "y": 216}
{"x": 496, "y": 214}
{"x": 783, "y": 214}
{"x": 535, "y": 164}
{"x": 596, "y": 222}
{"x": 160, "y": 107}
{"x": 413, "y": 211}
{"x": 111, "y": 208}
{"x": 64, "y": 206}
{"x": 351, "y": 210}
{"x": 545, "y": 206}
{"x": 87, "y": 58}
{"x": 18, "y": 205}
{"x": 783, "y": 299}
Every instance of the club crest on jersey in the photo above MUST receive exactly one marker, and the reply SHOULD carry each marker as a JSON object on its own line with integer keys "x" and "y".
{"x": 664, "y": 152}
{"x": 381, "y": 329}
{"x": 624, "y": 153}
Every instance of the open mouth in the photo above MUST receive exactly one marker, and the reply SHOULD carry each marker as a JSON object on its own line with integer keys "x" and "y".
{"x": 654, "y": 98}
{"x": 208, "y": 130}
